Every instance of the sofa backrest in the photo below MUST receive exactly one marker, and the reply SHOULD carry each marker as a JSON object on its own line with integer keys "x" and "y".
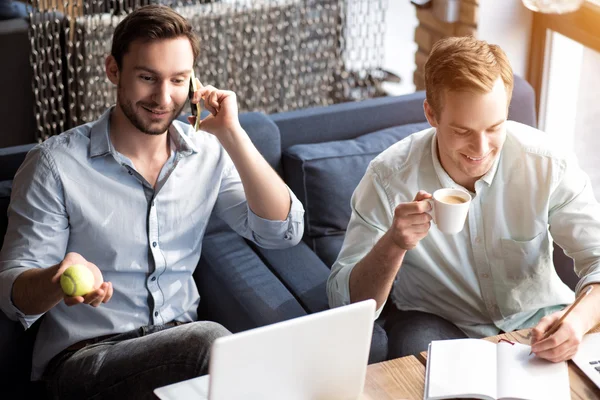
{"x": 350, "y": 120}
{"x": 326, "y": 151}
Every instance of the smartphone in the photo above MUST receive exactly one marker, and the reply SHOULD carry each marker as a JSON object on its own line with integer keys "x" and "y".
{"x": 194, "y": 107}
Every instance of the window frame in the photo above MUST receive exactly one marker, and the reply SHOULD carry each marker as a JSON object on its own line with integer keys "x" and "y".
{"x": 582, "y": 26}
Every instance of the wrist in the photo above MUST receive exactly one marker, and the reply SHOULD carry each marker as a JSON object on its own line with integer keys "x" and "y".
{"x": 55, "y": 272}
{"x": 231, "y": 137}
{"x": 394, "y": 249}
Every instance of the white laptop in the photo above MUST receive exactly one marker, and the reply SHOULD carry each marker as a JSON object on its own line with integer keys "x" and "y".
{"x": 588, "y": 357}
{"x": 318, "y": 356}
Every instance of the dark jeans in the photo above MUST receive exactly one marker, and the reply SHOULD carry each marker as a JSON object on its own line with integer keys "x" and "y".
{"x": 410, "y": 332}
{"x": 132, "y": 364}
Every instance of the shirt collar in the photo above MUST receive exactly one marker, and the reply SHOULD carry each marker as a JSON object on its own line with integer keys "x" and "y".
{"x": 101, "y": 145}
{"x": 446, "y": 180}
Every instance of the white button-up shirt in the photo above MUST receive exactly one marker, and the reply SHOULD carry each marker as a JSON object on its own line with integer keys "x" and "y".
{"x": 497, "y": 273}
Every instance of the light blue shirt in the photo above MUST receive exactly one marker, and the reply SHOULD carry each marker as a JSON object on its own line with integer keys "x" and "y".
{"x": 75, "y": 192}
{"x": 497, "y": 273}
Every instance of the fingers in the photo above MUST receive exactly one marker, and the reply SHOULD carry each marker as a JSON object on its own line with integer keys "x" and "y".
{"x": 207, "y": 93}
{"x": 95, "y": 298}
{"x": 210, "y": 94}
{"x": 197, "y": 96}
{"x": 543, "y": 326}
{"x": 214, "y": 98}
{"x": 422, "y": 195}
{"x": 101, "y": 295}
{"x": 414, "y": 207}
{"x": 73, "y": 300}
{"x": 109, "y": 293}
{"x": 550, "y": 343}
{"x": 560, "y": 346}
{"x": 412, "y": 221}
{"x": 70, "y": 259}
{"x": 559, "y": 354}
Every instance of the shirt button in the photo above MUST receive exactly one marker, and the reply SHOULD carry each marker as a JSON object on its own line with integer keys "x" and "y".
{"x": 153, "y": 244}
{"x": 288, "y": 236}
{"x": 477, "y": 240}
{"x": 156, "y": 313}
{"x": 130, "y": 173}
{"x": 153, "y": 279}
{"x": 485, "y": 276}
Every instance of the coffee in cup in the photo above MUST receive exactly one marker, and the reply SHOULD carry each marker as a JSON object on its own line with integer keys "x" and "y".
{"x": 452, "y": 199}
{"x": 449, "y": 208}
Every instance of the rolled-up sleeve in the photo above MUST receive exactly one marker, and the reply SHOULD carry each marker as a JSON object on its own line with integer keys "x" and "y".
{"x": 233, "y": 208}
{"x": 278, "y": 234}
{"x": 574, "y": 219}
{"x": 38, "y": 227}
{"x": 371, "y": 218}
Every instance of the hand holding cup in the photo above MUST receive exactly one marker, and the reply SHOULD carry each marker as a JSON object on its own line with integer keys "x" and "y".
{"x": 411, "y": 221}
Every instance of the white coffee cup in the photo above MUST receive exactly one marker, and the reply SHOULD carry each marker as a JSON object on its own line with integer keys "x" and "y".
{"x": 449, "y": 208}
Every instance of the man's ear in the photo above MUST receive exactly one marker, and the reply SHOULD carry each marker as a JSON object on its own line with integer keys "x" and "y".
{"x": 429, "y": 114}
{"x": 112, "y": 69}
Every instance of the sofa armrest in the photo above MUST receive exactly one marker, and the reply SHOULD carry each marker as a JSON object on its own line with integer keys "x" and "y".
{"x": 302, "y": 272}
{"x": 237, "y": 289}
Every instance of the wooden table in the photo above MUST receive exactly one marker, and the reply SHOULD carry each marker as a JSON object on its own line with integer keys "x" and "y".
{"x": 404, "y": 378}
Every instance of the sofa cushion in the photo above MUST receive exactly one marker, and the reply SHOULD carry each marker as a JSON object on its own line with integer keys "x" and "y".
{"x": 233, "y": 280}
{"x": 324, "y": 175}
{"x": 327, "y": 247}
{"x": 265, "y": 136}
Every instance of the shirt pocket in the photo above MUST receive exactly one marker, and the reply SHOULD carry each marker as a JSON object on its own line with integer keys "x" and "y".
{"x": 526, "y": 285}
{"x": 524, "y": 259}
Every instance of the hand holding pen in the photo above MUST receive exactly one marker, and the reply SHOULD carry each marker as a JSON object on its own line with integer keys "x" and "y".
{"x": 540, "y": 346}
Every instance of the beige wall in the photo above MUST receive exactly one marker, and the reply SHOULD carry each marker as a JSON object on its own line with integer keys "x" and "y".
{"x": 503, "y": 22}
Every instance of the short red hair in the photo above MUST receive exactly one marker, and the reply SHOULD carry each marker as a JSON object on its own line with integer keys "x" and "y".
{"x": 465, "y": 64}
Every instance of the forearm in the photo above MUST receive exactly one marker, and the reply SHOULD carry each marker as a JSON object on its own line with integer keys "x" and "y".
{"x": 36, "y": 291}
{"x": 588, "y": 309}
{"x": 373, "y": 276}
{"x": 266, "y": 193}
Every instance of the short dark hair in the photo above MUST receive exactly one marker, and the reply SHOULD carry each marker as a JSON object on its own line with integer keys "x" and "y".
{"x": 151, "y": 22}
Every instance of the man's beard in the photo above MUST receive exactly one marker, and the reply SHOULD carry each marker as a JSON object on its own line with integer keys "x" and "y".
{"x": 147, "y": 128}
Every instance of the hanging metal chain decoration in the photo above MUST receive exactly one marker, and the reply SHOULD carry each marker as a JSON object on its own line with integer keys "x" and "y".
{"x": 277, "y": 55}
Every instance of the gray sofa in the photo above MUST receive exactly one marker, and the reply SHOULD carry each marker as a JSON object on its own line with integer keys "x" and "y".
{"x": 322, "y": 154}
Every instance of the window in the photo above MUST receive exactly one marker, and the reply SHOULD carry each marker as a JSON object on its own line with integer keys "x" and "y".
{"x": 563, "y": 69}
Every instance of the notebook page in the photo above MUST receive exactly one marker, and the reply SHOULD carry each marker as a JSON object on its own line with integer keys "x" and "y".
{"x": 462, "y": 368}
{"x": 522, "y": 376}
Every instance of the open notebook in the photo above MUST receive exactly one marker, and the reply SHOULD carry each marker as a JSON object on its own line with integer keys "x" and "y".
{"x": 480, "y": 369}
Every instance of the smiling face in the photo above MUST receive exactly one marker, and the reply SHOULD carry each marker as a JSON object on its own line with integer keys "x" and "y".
{"x": 470, "y": 132}
{"x": 153, "y": 82}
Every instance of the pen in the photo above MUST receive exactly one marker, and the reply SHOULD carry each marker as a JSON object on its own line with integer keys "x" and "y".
{"x": 555, "y": 327}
